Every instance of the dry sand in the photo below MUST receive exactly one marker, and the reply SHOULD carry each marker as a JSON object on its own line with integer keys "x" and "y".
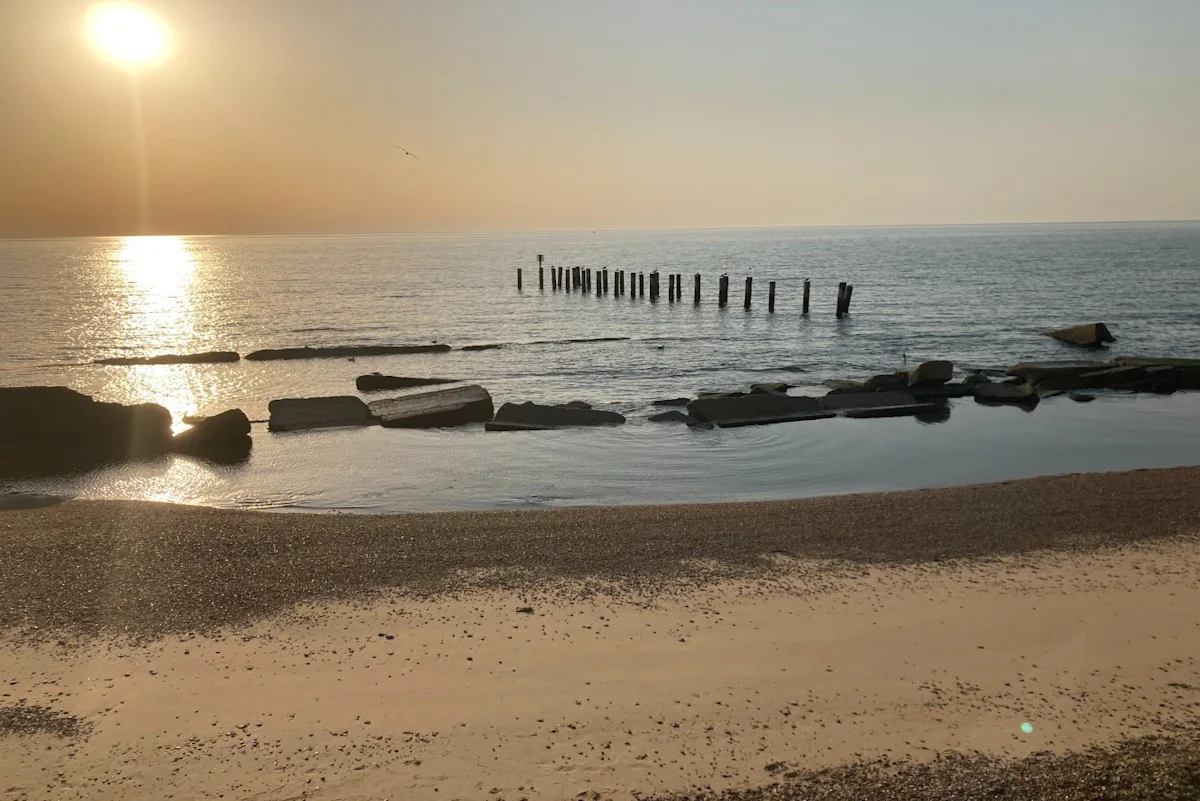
{"x": 746, "y": 645}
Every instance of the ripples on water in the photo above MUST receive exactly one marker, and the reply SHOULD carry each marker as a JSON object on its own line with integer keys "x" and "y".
{"x": 976, "y": 295}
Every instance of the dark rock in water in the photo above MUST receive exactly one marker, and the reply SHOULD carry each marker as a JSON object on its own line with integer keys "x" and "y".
{"x": 224, "y": 437}
{"x": 866, "y": 400}
{"x": 902, "y": 410}
{"x": 373, "y": 382}
{"x": 576, "y": 404}
{"x": 975, "y": 379}
{"x": 1006, "y": 393}
{"x": 209, "y": 357}
{"x": 300, "y": 414}
{"x": 1111, "y": 377}
{"x": 1091, "y": 335}
{"x": 673, "y": 416}
{"x": 887, "y": 382}
{"x": 715, "y": 395}
{"x": 841, "y": 385}
{"x": 749, "y": 410}
{"x": 341, "y": 351}
{"x": 1061, "y": 383}
{"x": 935, "y": 372}
{"x": 928, "y": 392}
{"x": 437, "y": 409}
{"x": 492, "y": 425}
{"x": 673, "y": 402}
{"x": 1163, "y": 378}
{"x": 769, "y": 388}
{"x": 55, "y": 430}
{"x": 1081, "y": 397}
{"x": 1037, "y": 371}
{"x": 534, "y": 414}
{"x": 481, "y": 347}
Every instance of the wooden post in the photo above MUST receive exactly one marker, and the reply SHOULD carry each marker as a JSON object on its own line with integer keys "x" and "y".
{"x": 771, "y": 297}
{"x": 749, "y": 285}
{"x": 641, "y": 285}
{"x": 696, "y": 291}
{"x": 841, "y": 299}
{"x": 807, "y": 287}
{"x": 670, "y": 288}
{"x": 723, "y": 291}
{"x": 540, "y": 258}
{"x": 849, "y": 294}
{"x": 518, "y": 279}
{"x": 541, "y": 278}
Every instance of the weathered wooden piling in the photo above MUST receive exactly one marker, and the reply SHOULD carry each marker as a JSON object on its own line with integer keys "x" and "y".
{"x": 671, "y": 296}
{"x": 807, "y": 287}
{"x": 541, "y": 278}
{"x": 723, "y": 290}
{"x": 655, "y": 286}
{"x": 771, "y": 297}
{"x": 696, "y": 291}
{"x": 518, "y": 279}
{"x": 841, "y": 298}
{"x": 749, "y": 291}
{"x": 849, "y": 294}
{"x": 605, "y": 280}
{"x": 641, "y": 285}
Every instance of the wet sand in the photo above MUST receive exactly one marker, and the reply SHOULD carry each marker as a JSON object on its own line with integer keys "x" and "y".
{"x": 656, "y": 651}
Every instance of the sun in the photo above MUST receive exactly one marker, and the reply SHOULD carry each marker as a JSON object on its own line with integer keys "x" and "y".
{"x": 128, "y": 35}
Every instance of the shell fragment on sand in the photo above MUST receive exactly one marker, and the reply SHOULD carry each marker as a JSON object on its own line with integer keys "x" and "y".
{"x": 300, "y": 414}
{"x": 436, "y": 409}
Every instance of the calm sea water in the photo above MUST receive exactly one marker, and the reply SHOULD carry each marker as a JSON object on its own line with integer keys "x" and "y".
{"x": 977, "y": 295}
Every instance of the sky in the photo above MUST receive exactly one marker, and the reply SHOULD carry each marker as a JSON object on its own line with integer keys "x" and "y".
{"x": 283, "y": 116}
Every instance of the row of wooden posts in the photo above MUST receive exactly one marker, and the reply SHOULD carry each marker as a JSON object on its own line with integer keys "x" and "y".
{"x": 586, "y": 280}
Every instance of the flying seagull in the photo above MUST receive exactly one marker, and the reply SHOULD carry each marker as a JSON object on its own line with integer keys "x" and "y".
{"x": 407, "y": 153}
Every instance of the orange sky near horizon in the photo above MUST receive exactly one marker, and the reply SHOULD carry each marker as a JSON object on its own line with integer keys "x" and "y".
{"x": 282, "y": 116}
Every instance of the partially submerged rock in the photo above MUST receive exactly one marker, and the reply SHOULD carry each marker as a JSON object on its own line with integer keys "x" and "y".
{"x": 374, "y": 382}
{"x": 673, "y": 402}
{"x": 749, "y": 410}
{"x": 673, "y": 416}
{"x": 539, "y": 416}
{"x": 887, "y": 382}
{"x": 300, "y": 414}
{"x": 493, "y": 425}
{"x": 935, "y": 372}
{"x": 901, "y": 410}
{"x": 1091, "y": 335}
{"x": 866, "y": 400}
{"x": 436, "y": 409}
{"x": 341, "y": 351}
{"x": 55, "y": 430}
{"x": 929, "y": 392}
{"x": 769, "y": 388}
{"x": 224, "y": 437}
{"x": 1036, "y": 371}
{"x": 208, "y": 357}
{"x": 576, "y": 404}
{"x": 1006, "y": 393}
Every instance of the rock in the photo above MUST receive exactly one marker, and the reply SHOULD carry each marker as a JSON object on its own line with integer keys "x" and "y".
{"x": 673, "y": 416}
{"x": 534, "y": 414}
{"x": 208, "y": 357}
{"x": 481, "y": 347}
{"x": 1111, "y": 377}
{"x": 1081, "y": 397}
{"x": 1036, "y": 371}
{"x": 56, "y": 430}
{"x": 373, "y": 382}
{"x": 769, "y": 388}
{"x": 1091, "y": 335}
{"x": 341, "y": 351}
{"x": 673, "y": 402}
{"x": 299, "y": 414}
{"x": 935, "y": 372}
{"x": 903, "y": 410}
{"x": 975, "y": 379}
{"x": 1005, "y": 393}
{"x": 1051, "y": 383}
{"x": 577, "y": 404}
{"x": 749, "y": 410}
{"x": 1163, "y": 378}
{"x": 887, "y": 382}
{"x": 866, "y": 400}
{"x": 713, "y": 395}
{"x": 221, "y": 437}
{"x": 525, "y": 610}
{"x": 841, "y": 385}
{"x": 1145, "y": 361}
{"x": 492, "y": 425}
{"x": 436, "y": 409}
{"x": 928, "y": 392}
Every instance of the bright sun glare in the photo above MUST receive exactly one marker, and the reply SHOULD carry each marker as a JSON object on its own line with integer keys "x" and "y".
{"x": 128, "y": 34}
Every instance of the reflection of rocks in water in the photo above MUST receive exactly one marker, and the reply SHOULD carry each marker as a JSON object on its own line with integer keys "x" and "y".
{"x": 29, "y": 500}
{"x": 19, "y": 720}
{"x": 938, "y": 414}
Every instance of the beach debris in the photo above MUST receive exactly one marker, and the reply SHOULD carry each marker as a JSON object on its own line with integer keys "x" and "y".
{"x": 299, "y": 414}
{"x": 672, "y": 402}
{"x": 53, "y": 430}
{"x": 224, "y": 437}
{"x": 340, "y": 351}
{"x": 1006, "y": 393}
{"x": 746, "y": 410}
{"x": 1090, "y": 335}
{"x": 770, "y": 388}
{"x": 534, "y": 415}
{"x": 208, "y": 357}
{"x": 436, "y": 409}
{"x": 935, "y": 372}
{"x": 672, "y": 416}
{"x": 374, "y": 382}
{"x": 524, "y": 610}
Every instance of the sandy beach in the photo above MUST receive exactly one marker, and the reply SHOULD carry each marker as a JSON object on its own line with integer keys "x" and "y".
{"x": 1032, "y": 639}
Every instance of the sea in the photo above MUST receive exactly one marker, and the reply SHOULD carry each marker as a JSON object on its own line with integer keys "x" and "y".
{"x": 981, "y": 296}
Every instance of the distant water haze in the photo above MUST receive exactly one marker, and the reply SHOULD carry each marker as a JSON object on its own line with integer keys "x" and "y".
{"x": 977, "y": 295}
{"x": 283, "y": 115}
